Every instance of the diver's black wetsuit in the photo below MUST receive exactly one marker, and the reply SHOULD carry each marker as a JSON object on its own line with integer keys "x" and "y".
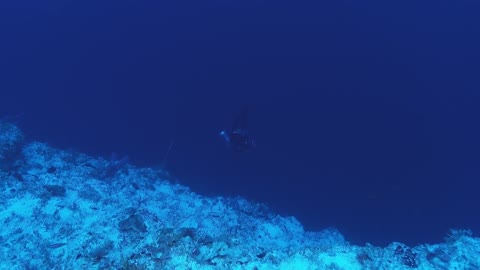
{"x": 238, "y": 138}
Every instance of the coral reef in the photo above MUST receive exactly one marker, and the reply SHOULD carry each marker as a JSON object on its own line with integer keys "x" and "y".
{"x": 58, "y": 212}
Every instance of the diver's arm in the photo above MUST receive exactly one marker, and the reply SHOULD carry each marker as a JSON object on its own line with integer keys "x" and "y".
{"x": 225, "y": 136}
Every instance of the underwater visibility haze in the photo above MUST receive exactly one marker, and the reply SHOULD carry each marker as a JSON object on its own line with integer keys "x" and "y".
{"x": 233, "y": 134}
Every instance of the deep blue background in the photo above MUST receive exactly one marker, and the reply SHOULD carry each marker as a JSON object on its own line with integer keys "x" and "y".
{"x": 366, "y": 114}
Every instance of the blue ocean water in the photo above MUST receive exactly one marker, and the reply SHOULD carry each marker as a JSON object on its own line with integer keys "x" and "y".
{"x": 365, "y": 114}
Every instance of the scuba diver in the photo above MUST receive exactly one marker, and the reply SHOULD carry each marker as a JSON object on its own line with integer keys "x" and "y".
{"x": 238, "y": 137}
